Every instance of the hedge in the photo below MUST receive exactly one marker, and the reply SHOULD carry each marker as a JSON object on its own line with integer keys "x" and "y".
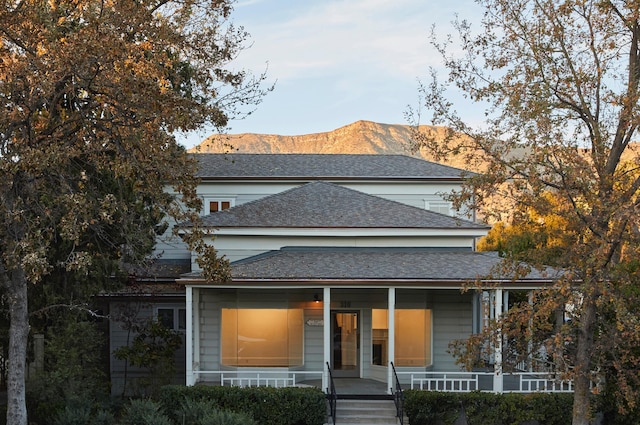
{"x": 266, "y": 405}
{"x": 432, "y": 408}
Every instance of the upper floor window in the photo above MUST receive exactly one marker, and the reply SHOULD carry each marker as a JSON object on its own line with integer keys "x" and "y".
{"x": 212, "y": 205}
{"x": 437, "y": 204}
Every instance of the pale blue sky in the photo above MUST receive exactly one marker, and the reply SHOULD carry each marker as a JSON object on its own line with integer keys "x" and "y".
{"x": 338, "y": 61}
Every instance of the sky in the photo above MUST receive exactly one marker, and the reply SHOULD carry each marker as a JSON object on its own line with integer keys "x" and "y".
{"x": 334, "y": 62}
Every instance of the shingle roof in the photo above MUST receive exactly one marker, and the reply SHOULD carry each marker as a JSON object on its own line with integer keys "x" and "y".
{"x": 326, "y": 205}
{"x": 321, "y": 167}
{"x": 371, "y": 263}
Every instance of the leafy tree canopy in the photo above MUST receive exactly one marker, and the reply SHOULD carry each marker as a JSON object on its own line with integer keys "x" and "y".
{"x": 92, "y": 93}
{"x": 559, "y": 84}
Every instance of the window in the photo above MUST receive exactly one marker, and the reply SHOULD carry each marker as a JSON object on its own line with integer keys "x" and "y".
{"x": 173, "y": 318}
{"x": 436, "y": 204}
{"x": 262, "y": 337}
{"x": 412, "y": 337}
{"x": 212, "y": 205}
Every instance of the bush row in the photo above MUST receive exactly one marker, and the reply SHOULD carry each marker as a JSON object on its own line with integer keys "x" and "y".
{"x": 267, "y": 406}
{"x": 431, "y": 408}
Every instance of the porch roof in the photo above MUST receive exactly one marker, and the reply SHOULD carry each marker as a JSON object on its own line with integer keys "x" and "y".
{"x": 376, "y": 266}
{"x": 326, "y": 205}
{"x": 322, "y": 167}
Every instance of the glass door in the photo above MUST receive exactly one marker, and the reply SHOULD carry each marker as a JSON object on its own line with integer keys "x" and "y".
{"x": 345, "y": 344}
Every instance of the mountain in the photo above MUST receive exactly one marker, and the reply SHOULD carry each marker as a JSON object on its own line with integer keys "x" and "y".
{"x": 361, "y": 137}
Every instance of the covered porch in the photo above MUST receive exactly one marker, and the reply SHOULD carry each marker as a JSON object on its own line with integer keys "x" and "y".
{"x": 303, "y": 334}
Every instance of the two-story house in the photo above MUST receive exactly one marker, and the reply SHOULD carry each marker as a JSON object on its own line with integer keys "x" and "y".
{"x": 348, "y": 263}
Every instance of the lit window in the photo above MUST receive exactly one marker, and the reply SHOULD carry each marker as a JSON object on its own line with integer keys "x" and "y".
{"x": 173, "y": 318}
{"x": 262, "y": 337}
{"x": 217, "y": 204}
{"x": 412, "y": 337}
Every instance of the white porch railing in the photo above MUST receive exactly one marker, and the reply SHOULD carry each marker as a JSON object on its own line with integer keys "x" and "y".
{"x": 259, "y": 378}
{"x": 521, "y": 382}
{"x": 530, "y": 382}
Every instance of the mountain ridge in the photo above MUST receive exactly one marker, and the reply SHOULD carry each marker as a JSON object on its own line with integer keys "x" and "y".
{"x": 360, "y": 137}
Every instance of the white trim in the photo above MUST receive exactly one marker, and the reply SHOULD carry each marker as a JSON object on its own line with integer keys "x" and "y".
{"x": 196, "y": 329}
{"x": 189, "y": 337}
{"x": 175, "y": 309}
{"x": 206, "y": 201}
{"x": 370, "y": 232}
{"x": 497, "y": 371}
{"x": 326, "y": 315}
{"x": 392, "y": 337}
{"x": 396, "y": 284}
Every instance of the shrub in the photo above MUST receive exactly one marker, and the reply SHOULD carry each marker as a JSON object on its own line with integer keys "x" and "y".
{"x": 430, "y": 407}
{"x": 144, "y": 412}
{"x": 73, "y": 371}
{"x": 267, "y": 406}
{"x": 202, "y": 412}
{"x": 82, "y": 413}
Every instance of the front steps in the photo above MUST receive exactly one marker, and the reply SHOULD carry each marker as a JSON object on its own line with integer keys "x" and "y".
{"x": 368, "y": 411}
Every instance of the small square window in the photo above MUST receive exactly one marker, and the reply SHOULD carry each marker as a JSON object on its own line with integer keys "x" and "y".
{"x": 216, "y": 205}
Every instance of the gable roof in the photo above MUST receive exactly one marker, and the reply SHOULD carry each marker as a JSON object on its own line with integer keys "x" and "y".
{"x": 301, "y": 264}
{"x": 326, "y": 205}
{"x": 322, "y": 167}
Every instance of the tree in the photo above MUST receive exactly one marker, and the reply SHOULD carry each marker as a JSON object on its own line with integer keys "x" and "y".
{"x": 92, "y": 93}
{"x": 558, "y": 81}
{"x": 153, "y": 348}
{"x": 540, "y": 234}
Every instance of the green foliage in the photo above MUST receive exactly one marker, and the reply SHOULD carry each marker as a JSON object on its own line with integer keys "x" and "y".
{"x": 430, "y": 408}
{"x": 144, "y": 412}
{"x": 92, "y": 94}
{"x": 84, "y": 416}
{"x": 267, "y": 406}
{"x": 203, "y": 412}
{"x": 73, "y": 375}
{"x": 153, "y": 348}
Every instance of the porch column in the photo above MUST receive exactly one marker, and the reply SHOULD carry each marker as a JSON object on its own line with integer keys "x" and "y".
{"x": 196, "y": 333}
{"x": 326, "y": 315}
{"x": 188, "y": 336}
{"x": 498, "y": 383}
{"x": 392, "y": 337}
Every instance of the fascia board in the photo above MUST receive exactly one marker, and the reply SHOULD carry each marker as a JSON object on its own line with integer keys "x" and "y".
{"x": 347, "y": 232}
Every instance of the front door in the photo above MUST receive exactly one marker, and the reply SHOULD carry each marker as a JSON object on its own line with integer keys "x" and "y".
{"x": 345, "y": 344}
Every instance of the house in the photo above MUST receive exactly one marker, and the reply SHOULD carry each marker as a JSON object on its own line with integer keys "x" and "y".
{"x": 342, "y": 265}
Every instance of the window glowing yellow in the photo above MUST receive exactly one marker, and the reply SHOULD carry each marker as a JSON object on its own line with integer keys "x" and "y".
{"x": 262, "y": 337}
{"x": 412, "y": 337}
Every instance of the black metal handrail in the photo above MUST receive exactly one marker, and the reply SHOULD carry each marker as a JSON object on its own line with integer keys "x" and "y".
{"x": 398, "y": 396}
{"x": 332, "y": 396}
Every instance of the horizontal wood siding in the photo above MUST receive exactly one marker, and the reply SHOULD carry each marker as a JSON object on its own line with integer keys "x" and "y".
{"x": 452, "y": 319}
{"x": 119, "y": 336}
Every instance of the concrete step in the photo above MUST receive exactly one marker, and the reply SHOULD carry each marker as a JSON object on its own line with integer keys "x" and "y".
{"x": 378, "y": 412}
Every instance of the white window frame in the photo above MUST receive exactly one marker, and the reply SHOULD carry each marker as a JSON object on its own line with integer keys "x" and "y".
{"x": 438, "y": 205}
{"x": 176, "y": 316}
{"x": 208, "y": 200}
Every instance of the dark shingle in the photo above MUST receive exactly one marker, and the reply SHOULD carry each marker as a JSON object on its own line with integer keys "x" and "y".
{"x": 326, "y": 205}
{"x": 321, "y": 167}
{"x": 370, "y": 263}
